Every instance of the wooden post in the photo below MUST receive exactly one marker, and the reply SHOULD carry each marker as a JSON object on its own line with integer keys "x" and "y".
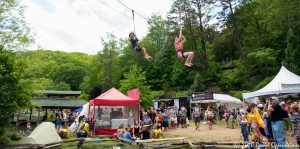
{"x": 30, "y": 114}
{"x": 46, "y": 115}
{"x": 38, "y": 118}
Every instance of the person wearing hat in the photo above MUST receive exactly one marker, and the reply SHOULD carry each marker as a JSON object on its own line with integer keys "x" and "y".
{"x": 196, "y": 113}
{"x": 276, "y": 115}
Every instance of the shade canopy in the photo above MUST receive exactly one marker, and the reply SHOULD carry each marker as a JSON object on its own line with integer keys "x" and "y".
{"x": 113, "y": 97}
{"x": 284, "y": 82}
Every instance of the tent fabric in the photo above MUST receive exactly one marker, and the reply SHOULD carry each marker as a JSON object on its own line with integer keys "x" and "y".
{"x": 220, "y": 98}
{"x": 223, "y": 98}
{"x": 283, "y": 83}
{"x": 44, "y": 133}
{"x": 113, "y": 97}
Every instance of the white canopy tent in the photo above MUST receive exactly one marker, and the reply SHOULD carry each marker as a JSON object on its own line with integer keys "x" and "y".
{"x": 223, "y": 99}
{"x": 285, "y": 82}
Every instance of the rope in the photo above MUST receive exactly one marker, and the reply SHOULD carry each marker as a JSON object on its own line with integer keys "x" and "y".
{"x": 133, "y": 20}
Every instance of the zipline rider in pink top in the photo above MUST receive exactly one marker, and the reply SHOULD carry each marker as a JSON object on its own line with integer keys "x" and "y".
{"x": 179, "y": 41}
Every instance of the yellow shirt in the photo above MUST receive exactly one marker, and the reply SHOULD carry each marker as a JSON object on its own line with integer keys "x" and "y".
{"x": 157, "y": 134}
{"x": 254, "y": 116}
{"x": 86, "y": 127}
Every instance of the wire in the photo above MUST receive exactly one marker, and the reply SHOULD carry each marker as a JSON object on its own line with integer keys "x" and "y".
{"x": 131, "y": 9}
{"x": 113, "y": 8}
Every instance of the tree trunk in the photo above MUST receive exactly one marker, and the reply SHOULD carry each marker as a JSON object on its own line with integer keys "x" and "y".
{"x": 238, "y": 35}
{"x": 202, "y": 36}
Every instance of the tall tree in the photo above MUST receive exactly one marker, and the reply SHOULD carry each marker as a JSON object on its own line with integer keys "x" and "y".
{"x": 228, "y": 14}
{"x": 14, "y": 93}
{"x": 14, "y": 32}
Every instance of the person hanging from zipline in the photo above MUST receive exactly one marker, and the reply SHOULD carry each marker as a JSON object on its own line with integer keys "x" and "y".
{"x": 179, "y": 42}
{"x": 134, "y": 42}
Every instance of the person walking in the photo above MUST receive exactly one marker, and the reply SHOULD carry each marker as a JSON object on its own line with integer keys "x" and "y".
{"x": 276, "y": 115}
{"x": 196, "y": 113}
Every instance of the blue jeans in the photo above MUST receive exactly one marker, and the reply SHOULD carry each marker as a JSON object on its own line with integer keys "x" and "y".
{"x": 279, "y": 134}
{"x": 244, "y": 132}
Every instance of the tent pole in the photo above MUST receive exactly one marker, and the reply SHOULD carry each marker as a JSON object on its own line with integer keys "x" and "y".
{"x": 93, "y": 114}
{"x": 89, "y": 113}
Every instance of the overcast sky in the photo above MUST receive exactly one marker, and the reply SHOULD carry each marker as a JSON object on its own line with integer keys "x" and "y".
{"x": 77, "y": 25}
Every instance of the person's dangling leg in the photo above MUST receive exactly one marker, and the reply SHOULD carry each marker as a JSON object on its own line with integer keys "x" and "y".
{"x": 146, "y": 55}
{"x": 191, "y": 58}
{"x": 188, "y": 58}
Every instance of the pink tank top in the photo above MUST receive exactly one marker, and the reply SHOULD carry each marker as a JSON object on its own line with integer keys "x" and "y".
{"x": 178, "y": 46}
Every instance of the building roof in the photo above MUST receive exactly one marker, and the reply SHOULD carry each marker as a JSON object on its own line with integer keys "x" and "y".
{"x": 57, "y": 92}
{"x": 58, "y": 102}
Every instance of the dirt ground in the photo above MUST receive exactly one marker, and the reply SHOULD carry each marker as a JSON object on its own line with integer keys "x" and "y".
{"x": 219, "y": 133}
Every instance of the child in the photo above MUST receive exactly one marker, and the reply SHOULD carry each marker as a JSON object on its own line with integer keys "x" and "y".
{"x": 175, "y": 121}
{"x": 157, "y": 133}
{"x": 134, "y": 42}
{"x": 243, "y": 124}
{"x": 127, "y": 135}
{"x": 179, "y": 41}
{"x": 226, "y": 116}
{"x": 28, "y": 127}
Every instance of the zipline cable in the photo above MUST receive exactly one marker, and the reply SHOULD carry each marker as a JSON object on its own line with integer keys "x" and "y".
{"x": 131, "y": 9}
{"x": 113, "y": 8}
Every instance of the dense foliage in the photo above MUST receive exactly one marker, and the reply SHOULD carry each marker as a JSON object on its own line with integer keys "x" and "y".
{"x": 241, "y": 52}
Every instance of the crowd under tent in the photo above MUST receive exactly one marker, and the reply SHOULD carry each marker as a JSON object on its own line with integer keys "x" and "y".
{"x": 285, "y": 82}
{"x": 111, "y": 109}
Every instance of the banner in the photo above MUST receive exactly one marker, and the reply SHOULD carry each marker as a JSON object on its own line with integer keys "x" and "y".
{"x": 134, "y": 93}
{"x": 202, "y": 96}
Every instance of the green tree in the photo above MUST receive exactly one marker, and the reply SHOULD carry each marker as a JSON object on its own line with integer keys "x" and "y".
{"x": 292, "y": 52}
{"x": 14, "y": 32}
{"x": 105, "y": 70}
{"x": 135, "y": 78}
{"x": 14, "y": 93}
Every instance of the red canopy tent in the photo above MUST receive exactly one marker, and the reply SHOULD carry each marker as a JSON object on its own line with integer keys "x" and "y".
{"x": 112, "y": 97}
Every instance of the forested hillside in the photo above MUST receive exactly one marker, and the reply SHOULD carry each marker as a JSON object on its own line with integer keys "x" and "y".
{"x": 241, "y": 52}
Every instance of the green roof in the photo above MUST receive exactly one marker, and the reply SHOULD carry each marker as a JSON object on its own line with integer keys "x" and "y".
{"x": 58, "y": 102}
{"x": 57, "y": 92}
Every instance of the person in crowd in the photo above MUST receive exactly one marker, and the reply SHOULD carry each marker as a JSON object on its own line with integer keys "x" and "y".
{"x": 165, "y": 120}
{"x": 136, "y": 129}
{"x": 286, "y": 120}
{"x": 209, "y": 116}
{"x": 152, "y": 115}
{"x": 295, "y": 118}
{"x": 243, "y": 124}
{"x": 148, "y": 121}
{"x": 277, "y": 122}
{"x": 127, "y": 135}
{"x": 175, "y": 119}
{"x": 182, "y": 119}
{"x": 145, "y": 132}
{"x": 232, "y": 118}
{"x": 120, "y": 131}
{"x": 226, "y": 117}
{"x": 58, "y": 122}
{"x": 82, "y": 130}
{"x": 265, "y": 117}
{"x": 157, "y": 133}
{"x": 255, "y": 121}
{"x": 196, "y": 113}
{"x": 159, "y": 119}
{"x": 28, "y": 127}
{"x": 131, "y": 119}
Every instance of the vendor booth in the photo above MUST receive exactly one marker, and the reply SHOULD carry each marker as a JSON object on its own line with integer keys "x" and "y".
{"x": 111, "y": 109}
{"x": 285, "y": 82}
